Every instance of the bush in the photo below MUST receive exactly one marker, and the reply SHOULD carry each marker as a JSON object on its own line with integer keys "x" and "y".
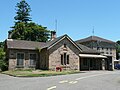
{"x": 3, "y": 65}
{"x": 3, "y": 62}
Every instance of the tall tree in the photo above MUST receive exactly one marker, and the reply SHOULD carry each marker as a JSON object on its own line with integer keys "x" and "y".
{"x": 23, "y": 11}
{"x": 25, "y": 30}
{"x": 29, "y": 31}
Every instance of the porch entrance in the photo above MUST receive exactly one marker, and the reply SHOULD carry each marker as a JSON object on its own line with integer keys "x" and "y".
{"x": 90, "y": 64}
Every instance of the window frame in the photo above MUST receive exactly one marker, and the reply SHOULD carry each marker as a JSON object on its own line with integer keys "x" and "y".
{"x": 30, "y": 60}
{"x": 65, "y": 59}
{"x": 17, "y": 59}
{"x": 68, "y": 59}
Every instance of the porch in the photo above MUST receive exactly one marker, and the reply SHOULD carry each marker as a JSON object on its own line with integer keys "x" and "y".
{"x": 92, "y": 62}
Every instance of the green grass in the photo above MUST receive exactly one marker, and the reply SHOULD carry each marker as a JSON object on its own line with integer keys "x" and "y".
{"x": 37, "y": 73}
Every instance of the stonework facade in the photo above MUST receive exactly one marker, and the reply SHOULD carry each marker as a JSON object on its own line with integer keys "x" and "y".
{"x": 26, "y": 60}
{"x": 60, "y": 52}
{"x": 69, "y": 50}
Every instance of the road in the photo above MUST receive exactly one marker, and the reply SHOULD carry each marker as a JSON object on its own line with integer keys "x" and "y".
{"x": 93, "y": 80}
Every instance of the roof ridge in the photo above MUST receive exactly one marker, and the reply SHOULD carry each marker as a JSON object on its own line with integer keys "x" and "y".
{"x": 96, "y": 38}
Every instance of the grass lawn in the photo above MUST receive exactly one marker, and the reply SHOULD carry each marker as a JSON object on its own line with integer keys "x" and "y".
{"x": 37, "y": 73}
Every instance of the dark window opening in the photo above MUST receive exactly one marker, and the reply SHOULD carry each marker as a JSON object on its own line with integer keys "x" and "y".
{"x": 64, "y": 58}
{"x": 97, "y": 48}
{"x": 67, "y": 59}
{"x": 64, "y": 45}
{"x": 61, "y": 59}
{"x": 32, "y": 59}
{"x": 20, "y": 59}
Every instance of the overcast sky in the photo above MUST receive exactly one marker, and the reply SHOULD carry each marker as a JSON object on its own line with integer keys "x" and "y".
{"x": 74, "y": 17}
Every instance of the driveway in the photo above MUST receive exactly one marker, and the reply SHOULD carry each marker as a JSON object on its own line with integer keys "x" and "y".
{"x": 93, "y": 80}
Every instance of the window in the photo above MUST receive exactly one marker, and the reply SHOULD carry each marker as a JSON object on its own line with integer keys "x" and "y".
{"x": 67, "y": 59}
{"x": 32, "y": 59}
{"x": 107, "y": 49}
{"x": 110, "y": 49}
{"x": 107, "y": 53}
{"x": 110, "y": 52}
{"x": 64, "y": 59}
{"x": 20, "y": 59}
{"x": 97, "y": 48}
{"x": 64, "y": 45}
{"x": 102, "y": 48}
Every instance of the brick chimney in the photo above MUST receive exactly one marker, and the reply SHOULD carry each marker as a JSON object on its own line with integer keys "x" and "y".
{"x": 53, "y": 35}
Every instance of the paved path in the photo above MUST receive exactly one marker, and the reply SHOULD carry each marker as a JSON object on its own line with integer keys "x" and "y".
{"x": 93, "y": 80}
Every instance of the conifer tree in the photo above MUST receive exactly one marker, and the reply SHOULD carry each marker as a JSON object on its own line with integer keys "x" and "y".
{"x": 23, "y": 12}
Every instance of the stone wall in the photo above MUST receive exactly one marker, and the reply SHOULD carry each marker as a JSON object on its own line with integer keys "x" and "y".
{"x": 44, "y": 59}
{"x": 13, "y": 58}
{"x": 57, "y": 50}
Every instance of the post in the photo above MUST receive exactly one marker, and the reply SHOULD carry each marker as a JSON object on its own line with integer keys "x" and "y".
{"x": 89, "y": 64}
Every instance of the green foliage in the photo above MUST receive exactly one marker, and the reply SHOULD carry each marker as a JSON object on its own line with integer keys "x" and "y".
{"x": 2, "y": 44}
{"x": 24, "y": 30}
{"x": 30, "y": 31}
{"x": 3, "y": 63}
{"x": 118, "y": 49}
{"x": 23, "y": 10}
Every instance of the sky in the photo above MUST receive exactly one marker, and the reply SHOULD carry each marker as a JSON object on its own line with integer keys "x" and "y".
{"x": 75, "y": 18}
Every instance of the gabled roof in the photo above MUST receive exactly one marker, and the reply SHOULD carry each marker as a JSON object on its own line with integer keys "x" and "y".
{"x": 86, "y": 49}
{"x": 57, "y": 40}
{"x": 32, "y": 45}
{"x": 94, "y": 38}
{"x": 23, "y": 44}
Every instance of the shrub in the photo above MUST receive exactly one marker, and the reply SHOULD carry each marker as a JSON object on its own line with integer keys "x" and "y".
{"x": 3, "y": 65}
{"x": 3, "y": 62}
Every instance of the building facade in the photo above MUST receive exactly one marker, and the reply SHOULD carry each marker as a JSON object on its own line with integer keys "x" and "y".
{"x": 104, "y": 46}
{"x": 59, "y": 52}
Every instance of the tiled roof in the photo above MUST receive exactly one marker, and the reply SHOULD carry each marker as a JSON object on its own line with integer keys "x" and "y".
{"x": 86, "y": 49}
{"x": 32, "y": 45}
{"x": 94, "y": 38}
{"x": 22, "y": 44}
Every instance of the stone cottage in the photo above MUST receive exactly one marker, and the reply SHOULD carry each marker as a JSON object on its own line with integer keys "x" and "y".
{"x": 59, "y": 52}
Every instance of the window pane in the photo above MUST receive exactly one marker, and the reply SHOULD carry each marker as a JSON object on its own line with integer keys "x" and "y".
{"x": 67, "y": 59}
{"x": 20, "y": 59}
{"x": 64, "y": 58}
{"x": 61, "y": 59}
{"x": 32, "y": 59}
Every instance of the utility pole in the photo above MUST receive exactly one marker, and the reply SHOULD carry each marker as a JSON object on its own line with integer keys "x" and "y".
{"x": 56, "y": 25}
{"x": 93, "y": 32}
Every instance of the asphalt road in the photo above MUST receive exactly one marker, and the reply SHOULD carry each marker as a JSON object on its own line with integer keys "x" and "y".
{"x": 93, "y": 80}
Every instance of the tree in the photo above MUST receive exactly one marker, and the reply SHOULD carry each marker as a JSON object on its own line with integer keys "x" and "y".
{"x": 30, "y": 31}
{"x": 118, "y": 49}
{"x": 23, "y": 10}
{"x": 35, "y": 32}
{"x": 3, "y": 62}
{"x": 2, "y": 44}
{"x": 25, "y": 30}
